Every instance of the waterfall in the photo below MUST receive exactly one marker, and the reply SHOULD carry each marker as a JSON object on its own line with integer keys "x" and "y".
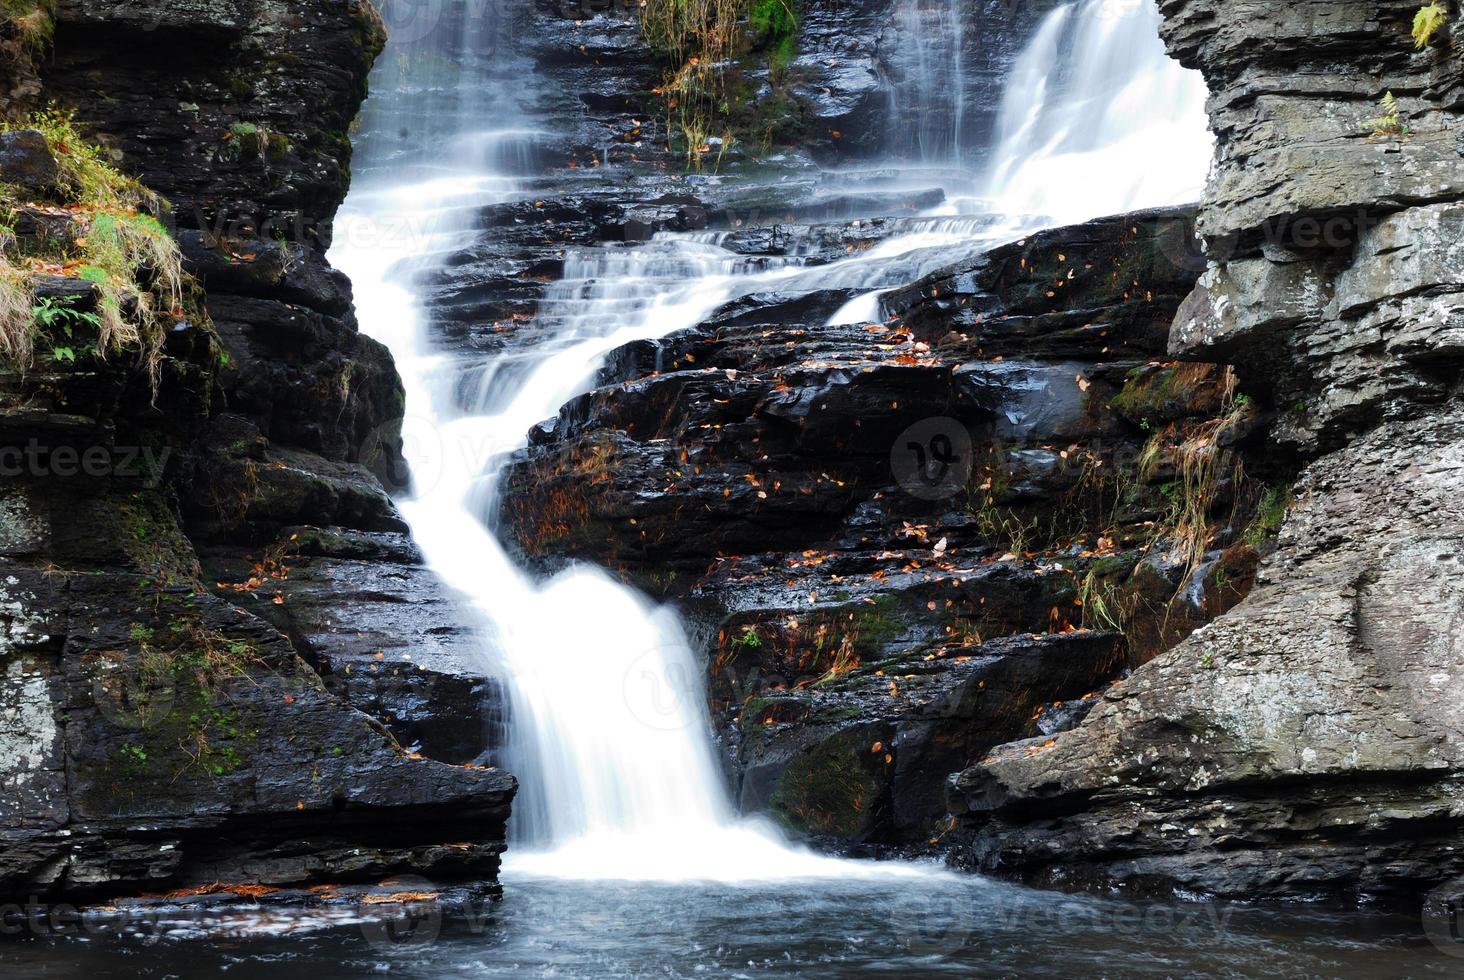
{"x": 1097, "y": 119}
{"x": 609, "y": 729}
{"x": 609, "y": 732}
{"x": 928, "y": 98}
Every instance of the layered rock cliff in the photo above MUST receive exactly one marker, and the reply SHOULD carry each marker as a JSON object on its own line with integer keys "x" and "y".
{"x": 1308, "y": 743}
{"x": 203, "y": 683}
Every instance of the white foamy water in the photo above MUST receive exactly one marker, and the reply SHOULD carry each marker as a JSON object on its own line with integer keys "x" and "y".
{"x": 608, "y": 732}
{"x": 1097, "y": 119}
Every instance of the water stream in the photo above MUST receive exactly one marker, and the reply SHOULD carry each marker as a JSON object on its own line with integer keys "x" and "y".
{"x": 627, "y": 856}
{"x": 609, "y": 732}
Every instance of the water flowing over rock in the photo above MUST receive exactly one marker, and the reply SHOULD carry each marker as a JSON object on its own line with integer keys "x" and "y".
{"x": 849, "y": 474}
{"x": 737, "y": 456}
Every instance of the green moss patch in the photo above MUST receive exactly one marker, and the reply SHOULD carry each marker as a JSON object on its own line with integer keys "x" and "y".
{"x": 834, "y": 787}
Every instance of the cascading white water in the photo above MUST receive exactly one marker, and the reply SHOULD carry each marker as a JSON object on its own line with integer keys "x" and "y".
{"x": 928, "y": 102}
{"x": 609, "y": 727}
{"x": 1097, "y": 119}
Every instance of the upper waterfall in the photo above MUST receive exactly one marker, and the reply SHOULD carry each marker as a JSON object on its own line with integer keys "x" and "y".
{"x": 928, "y": 100}
{"x": 1097, "y": 119}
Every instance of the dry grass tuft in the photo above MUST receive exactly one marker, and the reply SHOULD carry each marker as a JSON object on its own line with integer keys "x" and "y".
{"x": 17, "y": 317}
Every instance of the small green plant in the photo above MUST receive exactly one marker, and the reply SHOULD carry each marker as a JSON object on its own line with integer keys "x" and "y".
{"x": 1391, "y": 122}
{"x": 119, "y": 246}
{"x": 1270, "y": 514}
{"x": 749, "y": 639}
{"x": 706, "y": 41}
{"x": 246, "y": 140}
{"x": 1151, "y": 457}
{"x": 776, "y": 23}
{"x": 1426, "y": 23}
{"x": 1100, "y": 606}
{"x": 122, "y": 249}
{"x": 87, "y": 178}
{"x": 1003, "y": 528}
{"x": 53, "y": 315}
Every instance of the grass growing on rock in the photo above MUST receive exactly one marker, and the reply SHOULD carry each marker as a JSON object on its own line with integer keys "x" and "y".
{"x": 119, "y": 246}
{"x": 705, "y": 41}
{"x": 17, "y": 337}
{"x": 193, "y": 722}
{"x": 26, "y": 29}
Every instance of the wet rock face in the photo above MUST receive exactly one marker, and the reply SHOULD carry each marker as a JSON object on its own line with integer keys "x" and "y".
{"x": 761, "y": 395}
{"x": 187, "y": 743}
{"x": 1302, "y": 745}
{"x": 869, "y": 633}
{"x": 224, "y": 661}
{"x": 235, "y": 110}
{"x": 26, "y": 162}
{"x": 857, "y": 759}
{"x": 1306, "y": 744}
{"x": 847, "y": 92}
{"x": 1343, "y": 266}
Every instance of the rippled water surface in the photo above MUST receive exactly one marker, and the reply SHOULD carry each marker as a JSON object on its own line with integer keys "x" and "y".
{"x": 928, "y": 927}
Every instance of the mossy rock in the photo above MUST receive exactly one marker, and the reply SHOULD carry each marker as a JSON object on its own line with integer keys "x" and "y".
{"x": 1153, "y": 396}
{"x": 836, "y": 787}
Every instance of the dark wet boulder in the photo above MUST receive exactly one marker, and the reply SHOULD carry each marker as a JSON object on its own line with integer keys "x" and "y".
{"x": 27, "y": 163}
{"x": 863, "y": 757}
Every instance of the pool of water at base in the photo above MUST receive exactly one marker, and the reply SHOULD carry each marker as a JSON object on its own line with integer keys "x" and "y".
{"x": 937, "y": 926}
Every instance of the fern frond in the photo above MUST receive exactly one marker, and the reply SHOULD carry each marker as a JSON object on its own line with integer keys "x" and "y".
{"x": 1427, "y": 22}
